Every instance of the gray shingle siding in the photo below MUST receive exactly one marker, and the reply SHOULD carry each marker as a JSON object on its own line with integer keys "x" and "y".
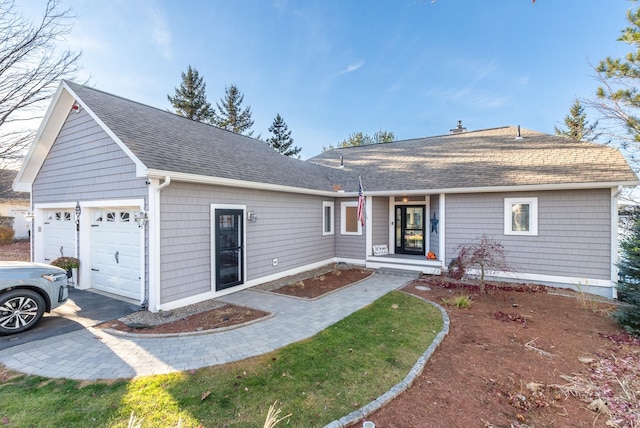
{"x": 348, "y": 246}
{"x": 380, "y": 221}
{"x": 574, "y": 235}
{"x": 85, "y": 164}
{"x": 289, "y": 228}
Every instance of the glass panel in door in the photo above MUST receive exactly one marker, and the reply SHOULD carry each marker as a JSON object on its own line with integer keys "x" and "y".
{"x": 229, "y": 244}
{"x": 410, "y": 229}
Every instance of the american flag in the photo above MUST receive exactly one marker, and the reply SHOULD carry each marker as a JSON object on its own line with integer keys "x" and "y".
{"x": 361, "y": 213}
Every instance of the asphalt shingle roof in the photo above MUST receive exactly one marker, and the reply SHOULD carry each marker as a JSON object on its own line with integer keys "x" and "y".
{"x": 168, "y": 142}
{"x": 490, "y": 158}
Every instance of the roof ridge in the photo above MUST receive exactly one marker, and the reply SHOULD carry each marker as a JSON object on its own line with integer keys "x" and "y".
{"x": 151, "y": 107}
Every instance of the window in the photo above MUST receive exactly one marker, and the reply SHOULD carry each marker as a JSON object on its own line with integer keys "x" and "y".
{"x": 521, "y": 216}
{"x": 327, "y": 218}
{"x": 349, "y": 219}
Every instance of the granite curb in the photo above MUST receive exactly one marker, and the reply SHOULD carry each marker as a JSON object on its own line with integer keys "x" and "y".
{"x": 403, "y": 385}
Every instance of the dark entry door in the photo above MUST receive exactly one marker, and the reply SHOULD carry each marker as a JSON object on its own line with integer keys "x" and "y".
{"x": 410, "y": 229}
{"x": 229, "y": 248}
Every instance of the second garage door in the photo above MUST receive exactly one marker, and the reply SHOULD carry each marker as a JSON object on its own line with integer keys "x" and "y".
{"x": 116, "y": 252}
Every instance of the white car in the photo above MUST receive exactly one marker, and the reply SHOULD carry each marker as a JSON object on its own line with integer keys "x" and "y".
{"x": 27, "y": 291}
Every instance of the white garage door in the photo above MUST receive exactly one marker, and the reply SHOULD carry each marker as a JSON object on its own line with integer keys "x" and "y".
{"x": 116, "y": 252}
{"x": 59, "y": 234}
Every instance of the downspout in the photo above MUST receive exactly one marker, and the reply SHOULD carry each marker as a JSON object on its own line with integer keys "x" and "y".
{"x": 614, "y": 241}
{"x": 152, "y": 295}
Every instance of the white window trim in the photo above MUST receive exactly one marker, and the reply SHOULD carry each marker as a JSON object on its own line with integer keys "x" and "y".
{"x": 329, "y": 204}
{"x": 533, "y": 216}
{"x": 343, "y": 215}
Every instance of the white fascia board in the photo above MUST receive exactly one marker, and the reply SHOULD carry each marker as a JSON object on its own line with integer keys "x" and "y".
{"x": 205, "y": 179}
{"x": 498, "y": 189}
{"x": 47, "y": 132}
{"x": 50, "y": 127}
{"x": 140, "y": 167}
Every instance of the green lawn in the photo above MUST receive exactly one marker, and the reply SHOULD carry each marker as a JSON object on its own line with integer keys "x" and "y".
{"x": 317, "y": 380}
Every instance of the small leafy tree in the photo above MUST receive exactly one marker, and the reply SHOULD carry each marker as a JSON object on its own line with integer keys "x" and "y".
{"x": 484, "y": 253}
{"x": 628, "y": 316}
{"x": 362, "y": 139}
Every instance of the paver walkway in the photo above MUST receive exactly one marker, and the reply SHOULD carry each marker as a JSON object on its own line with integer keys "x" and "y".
{"x": 90, "y": 353}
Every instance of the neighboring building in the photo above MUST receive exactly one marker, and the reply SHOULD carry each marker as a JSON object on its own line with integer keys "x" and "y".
{"x": 14, "y": 206}
{"x": 168, "y": 212}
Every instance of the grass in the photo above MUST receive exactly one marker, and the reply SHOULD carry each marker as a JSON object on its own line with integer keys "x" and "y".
{"x": 460, "y": 302}
{"x": 316, "y": 381}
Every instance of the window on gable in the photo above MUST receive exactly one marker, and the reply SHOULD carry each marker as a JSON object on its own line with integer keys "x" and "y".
{"x": 349, "y": 219}
{"x": 521, "y": 216}
{"x": 327, "y": 218}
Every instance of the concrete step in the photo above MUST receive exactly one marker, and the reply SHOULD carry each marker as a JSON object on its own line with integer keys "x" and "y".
{"x": 400, "y": 272}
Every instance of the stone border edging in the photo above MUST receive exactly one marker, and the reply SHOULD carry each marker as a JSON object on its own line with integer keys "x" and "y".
{"x": 115, "y": 332}
{"x": 403, "y": 385}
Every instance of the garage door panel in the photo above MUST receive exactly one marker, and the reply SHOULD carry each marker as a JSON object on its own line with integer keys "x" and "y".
{"x": 116, "y": 252}
{"x": 59, "y": 234}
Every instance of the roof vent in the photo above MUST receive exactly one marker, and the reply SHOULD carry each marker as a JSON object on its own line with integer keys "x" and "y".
{"x": 458, "y": 129}
{"x": 519, "y": 136}
{"x": 341, "y": 162}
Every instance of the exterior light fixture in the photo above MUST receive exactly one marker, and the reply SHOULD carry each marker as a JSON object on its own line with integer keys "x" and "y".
{"x": 77, "y": 211}
{"x": 251, "y": 216}
{"x": 141, "y": 217}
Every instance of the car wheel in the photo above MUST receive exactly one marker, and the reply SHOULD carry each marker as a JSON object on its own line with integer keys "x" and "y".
{"x": 19, "y": 310}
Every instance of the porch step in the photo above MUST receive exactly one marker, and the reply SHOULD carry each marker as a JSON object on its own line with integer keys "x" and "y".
{"x": 400, "y": 272}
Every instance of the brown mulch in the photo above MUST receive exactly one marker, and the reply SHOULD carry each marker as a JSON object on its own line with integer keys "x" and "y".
{"x": 319, "y": 285}
{"x": 522, "y": 356}
{"x": 225, "y": 316}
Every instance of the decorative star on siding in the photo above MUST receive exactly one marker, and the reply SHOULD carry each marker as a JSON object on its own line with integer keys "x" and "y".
{"x": 434, "y": 223}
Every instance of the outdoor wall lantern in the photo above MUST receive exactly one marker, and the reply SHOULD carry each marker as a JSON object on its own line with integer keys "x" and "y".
{"x": 77, "y": 212}
{"x": 251, "y": 216}
{"x": 141, "y": 217}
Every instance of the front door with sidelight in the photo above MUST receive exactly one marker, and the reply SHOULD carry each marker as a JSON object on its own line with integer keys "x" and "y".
{"x": 410, "y": 229}
{"x": 229, "y": 248}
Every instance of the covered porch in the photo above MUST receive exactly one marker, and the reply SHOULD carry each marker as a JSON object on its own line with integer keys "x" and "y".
{"x": 406, "y": 232}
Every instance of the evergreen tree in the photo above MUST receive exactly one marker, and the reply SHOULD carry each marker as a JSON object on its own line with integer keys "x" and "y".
{"x": 281, "y": 140}
{"x": 230, "y": 115}
{"x": 362, "y": 139}
{"x": 628, "y": 315}
{"x": 618, "y": 99}
{"x": 190, "y": 100}
{"x": 578, "y": 127}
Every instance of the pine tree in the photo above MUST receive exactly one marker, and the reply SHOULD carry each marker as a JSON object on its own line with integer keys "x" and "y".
{"x": 578, "y": 127}
{"x": 230, "y": 115}
{"x": 618, "y": 99}
{"x": 628, "y": 315}
{"x": 281, "y": 140}
{"x": 190, "y": 100}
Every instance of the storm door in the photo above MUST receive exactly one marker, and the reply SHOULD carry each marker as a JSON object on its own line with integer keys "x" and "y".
{"x": 410, "y": 229}
{"x": 229, "y": 242}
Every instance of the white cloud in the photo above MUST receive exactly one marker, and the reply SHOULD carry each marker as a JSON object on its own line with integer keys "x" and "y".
{"x": 160, "y": 33}
{"x": 352, "y": 67}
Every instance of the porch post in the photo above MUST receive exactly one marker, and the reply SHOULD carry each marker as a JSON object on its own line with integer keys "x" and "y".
{"x": 441, "y": 236}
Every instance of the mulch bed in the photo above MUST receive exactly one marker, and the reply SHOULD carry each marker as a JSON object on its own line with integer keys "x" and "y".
{"x": 314, "y": 287}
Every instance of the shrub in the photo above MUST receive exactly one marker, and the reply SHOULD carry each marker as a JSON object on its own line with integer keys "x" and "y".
{"x": 6, "y": 235}
{"x": 484, "y": 253}
{"x": 628, "y": 315}
{"x": 66, "y": 263}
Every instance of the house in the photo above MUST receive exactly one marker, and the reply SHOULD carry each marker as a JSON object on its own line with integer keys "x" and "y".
{"x": 14, "y": 206}
{"x": 167, "y": 212}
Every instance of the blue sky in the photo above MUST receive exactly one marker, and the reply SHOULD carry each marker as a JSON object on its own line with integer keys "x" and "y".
{"x": 334, "y": 67}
